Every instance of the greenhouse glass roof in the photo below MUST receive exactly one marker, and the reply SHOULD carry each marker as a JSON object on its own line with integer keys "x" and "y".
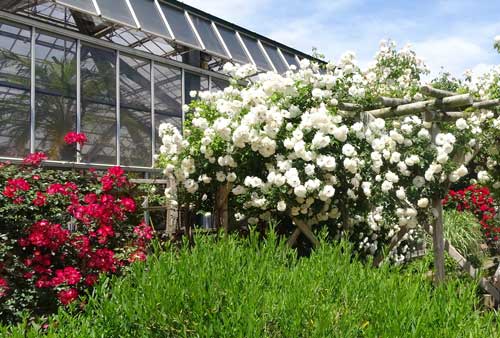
{"x": 163, "y": 27}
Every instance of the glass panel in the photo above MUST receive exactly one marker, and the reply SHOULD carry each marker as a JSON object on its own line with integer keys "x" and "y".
{"x": 15, "y": 74}
{"x": 179, "y": 25}
{"x": 135, "y": 112}
{"x": 219, "y": 84}
{"x": 256, "y": 52}
{"x": 290, "y": 58}
{"x": 233, "y": 44}
{"x": 208, "y": 35}
{"x": 149, "y": 18}
{"x": 194, "y": 82}
{"x": 55, "y": 95}
{"x": 85, "y": 5}
{"x": 168, "y": 98}
{"x": 275, "y": 57}
{"x": 98, "y": 74}
{"x": 116, "y": 10}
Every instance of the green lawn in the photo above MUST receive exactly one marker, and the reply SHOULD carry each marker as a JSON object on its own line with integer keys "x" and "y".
{"x": 246, "y": 288}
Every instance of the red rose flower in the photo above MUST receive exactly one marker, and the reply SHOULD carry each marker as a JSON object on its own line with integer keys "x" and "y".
{"x": 4, "y": 287}
{"x": 128, "y": 204}
{"x": 67, "y": 296}
{"x": 40, "y": 199}
{"x": 72, "y": 138}
{"x": 34, "y": 159}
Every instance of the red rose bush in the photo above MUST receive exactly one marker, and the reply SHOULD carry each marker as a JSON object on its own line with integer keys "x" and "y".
{"x": 59, "y": 230}
{"x": 479, "y": 201}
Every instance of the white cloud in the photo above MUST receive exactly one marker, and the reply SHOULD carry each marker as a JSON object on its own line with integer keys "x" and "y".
{"x": 454, "y": 54}
{"x": 334, "y": 26}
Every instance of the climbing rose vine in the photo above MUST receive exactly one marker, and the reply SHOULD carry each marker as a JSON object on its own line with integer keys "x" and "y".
{"x": 288, "y": 149}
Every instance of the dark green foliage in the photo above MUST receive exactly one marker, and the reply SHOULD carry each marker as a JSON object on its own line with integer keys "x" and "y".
{"x": 247, "y": 288}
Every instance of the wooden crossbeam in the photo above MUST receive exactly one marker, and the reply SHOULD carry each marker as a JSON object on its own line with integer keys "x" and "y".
{"x": 302, "y": 227}
{"x": 486, "y": 104}
{"x": 450, "y": 102}
{"x": 392, "y": 102}
{"x": 434, "y": 92}
{"x": 394, "y": 243}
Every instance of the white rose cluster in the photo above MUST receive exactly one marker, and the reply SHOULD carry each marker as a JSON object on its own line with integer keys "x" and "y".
{"x": 285, "y": 148}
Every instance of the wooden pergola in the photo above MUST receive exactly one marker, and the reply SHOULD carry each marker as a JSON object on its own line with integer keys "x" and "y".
{"x": 442, "y": 106}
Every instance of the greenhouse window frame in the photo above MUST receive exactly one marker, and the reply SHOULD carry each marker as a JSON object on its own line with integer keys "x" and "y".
{"x": 36, "y": 27}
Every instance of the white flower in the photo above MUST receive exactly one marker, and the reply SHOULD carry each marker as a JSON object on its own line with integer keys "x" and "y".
{"x": 423, "y": 203}
{"x": 191, "y": 186}
{"x": 231, "y": 177}
{"x": 351, "y": 165}
{"x": 386, "y": 186}
{"x": 483, "y": 176}
{"x": 326, "y": 162}
{"x": 461, "y": 124}
{"x": 400, "y": 193}
{"x": 348, "y": 150}
{"x": 300, "y": 191}
{"x": 340, "y": 133}
{"x": 320, "y": 140}
{"x": 281, "y": 206}
{"x": 205, "y": 179}
{"x": 239, "y": 190}
{"x": 253, "y": 182}
{"x": 309, "y": 169}
{"x": 326, "y": 193}
{"x": 418, "y": 181}
{"x": 220, "y": 176}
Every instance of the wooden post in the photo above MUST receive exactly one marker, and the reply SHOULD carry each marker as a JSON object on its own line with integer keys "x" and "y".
{"x": 221, "y": 216}
{"x": 438, "y": 239}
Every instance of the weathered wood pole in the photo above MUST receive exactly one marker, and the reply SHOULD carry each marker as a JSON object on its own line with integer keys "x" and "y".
{"x": 438, "y": 240}
{"x": 222, "y": 207}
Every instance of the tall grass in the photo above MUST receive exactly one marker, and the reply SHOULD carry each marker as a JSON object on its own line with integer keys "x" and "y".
{"x": 464, "y": 232}
{"x": 247, "y": 288}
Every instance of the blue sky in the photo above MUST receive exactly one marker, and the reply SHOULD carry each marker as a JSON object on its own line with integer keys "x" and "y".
{"x": 454, "y": 34}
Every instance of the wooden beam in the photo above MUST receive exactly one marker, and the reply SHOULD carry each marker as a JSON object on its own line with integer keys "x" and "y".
{"x": 486, "y": 104}
{"x": 394, "y": 242}
{"x": 463, "y": 101}
{"x": 392, "y": 101}
{"x": 434, "y": 92}
{"x": 306, "y": 230}
{"x": 461, "y": 260}
{"x": 350, "y": 106}
{"x": 293, "y": 238}
{"x": 150, "y": 181}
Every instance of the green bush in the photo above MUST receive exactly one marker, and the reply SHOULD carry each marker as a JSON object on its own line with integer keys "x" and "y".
{"x": 247, "y": 288}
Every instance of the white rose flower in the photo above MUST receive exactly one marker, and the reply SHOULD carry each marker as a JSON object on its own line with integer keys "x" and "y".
{"x": 220, "y": 176}
{"x": 326, "y": 193}
{"x": 423, "y": 203}
{"x": 461, "y": 124}
{"x": 281, "y": 206}
{"x": 300, "y": 191}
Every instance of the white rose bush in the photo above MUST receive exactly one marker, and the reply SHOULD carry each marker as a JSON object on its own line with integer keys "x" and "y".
{"x": 288, "y": 148}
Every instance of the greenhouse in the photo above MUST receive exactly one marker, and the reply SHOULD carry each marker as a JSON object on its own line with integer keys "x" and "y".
{"x": 114, "y": 70}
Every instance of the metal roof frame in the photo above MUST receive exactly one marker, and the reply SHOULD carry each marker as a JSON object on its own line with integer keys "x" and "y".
{"x": 189, "y": 11}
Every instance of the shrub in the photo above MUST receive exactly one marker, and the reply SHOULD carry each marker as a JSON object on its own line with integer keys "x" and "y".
{"x": 478, "y": 201}
{"x": 60, "y": 230}
{"x": 251, "y": 288}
